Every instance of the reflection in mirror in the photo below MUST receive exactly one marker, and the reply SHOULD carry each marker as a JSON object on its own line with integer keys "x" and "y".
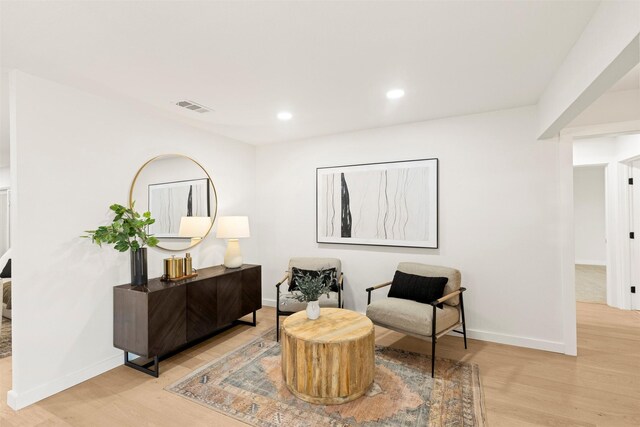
{"x": 181, "y": 197}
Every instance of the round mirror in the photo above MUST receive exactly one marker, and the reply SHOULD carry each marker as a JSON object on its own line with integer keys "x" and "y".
{"x": 181, "y": 197}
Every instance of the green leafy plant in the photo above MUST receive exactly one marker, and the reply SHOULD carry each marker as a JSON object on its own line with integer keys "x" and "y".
{"x": 311, "y": 288}
{"x": 127, "y": 231}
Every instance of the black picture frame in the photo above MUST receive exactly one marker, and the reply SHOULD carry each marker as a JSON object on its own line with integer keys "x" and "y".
{"x": 416, "y": 218}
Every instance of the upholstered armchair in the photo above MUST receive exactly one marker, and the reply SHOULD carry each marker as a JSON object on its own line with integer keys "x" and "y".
{"x": 428, "y": 320}
{"x": 286, "y": 304}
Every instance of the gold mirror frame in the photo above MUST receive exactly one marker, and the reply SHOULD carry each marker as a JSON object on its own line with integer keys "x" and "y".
{"x": 215, "y": 194}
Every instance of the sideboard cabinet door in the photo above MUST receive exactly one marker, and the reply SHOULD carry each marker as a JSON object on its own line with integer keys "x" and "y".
{"x": 202, "y": 307}
{"x": 167, "y": 320}
{"x": 251, "y": 290}
{"x": 229, "y": 298}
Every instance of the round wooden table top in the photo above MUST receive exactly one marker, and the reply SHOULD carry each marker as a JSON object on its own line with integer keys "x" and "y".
{"x": 334, "y": 325}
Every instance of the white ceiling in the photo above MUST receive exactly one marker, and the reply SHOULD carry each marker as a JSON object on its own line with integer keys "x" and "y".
{"x": 329, "y": 63}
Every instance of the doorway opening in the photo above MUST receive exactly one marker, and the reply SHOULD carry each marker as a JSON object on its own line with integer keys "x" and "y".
{"x": 5, "y": 274}
{"x": 589, "y": 199}
{"x": 607, "y": 174}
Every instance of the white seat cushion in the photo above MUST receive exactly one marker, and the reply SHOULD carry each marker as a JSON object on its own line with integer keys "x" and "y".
{"x": 411, "y": 316}
{"x": 288, "y": 303}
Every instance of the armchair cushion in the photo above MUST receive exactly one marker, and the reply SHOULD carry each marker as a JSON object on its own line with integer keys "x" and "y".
{"x": 410, "y": 316}
{"x": 329, "y": 275}
{"x": 453, "y": 284}
{"x": 312, "y": 263}
{"x": 417, "y": 288}
{"x": 288, "y": 303}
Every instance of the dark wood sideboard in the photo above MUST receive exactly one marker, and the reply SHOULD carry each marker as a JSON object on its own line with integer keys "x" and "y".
{"x": 161, "y": 318}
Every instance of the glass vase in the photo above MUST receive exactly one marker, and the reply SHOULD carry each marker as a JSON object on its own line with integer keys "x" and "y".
{"x": 313, "y": 310}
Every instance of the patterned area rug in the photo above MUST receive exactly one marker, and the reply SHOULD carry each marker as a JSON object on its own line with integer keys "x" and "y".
{"x": 5, "y": 338}
{"x": 247, "y": 385}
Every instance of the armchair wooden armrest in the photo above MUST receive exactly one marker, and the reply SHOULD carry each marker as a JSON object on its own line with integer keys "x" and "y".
{"x": 381, "y": 285}
{"x": 372, "y": 288}
{"x": 448, "y": 296}
{"x": 286, "y": 276}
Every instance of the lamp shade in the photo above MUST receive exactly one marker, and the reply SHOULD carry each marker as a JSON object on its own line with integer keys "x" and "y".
{"x": 194, "y": 226}
{"x": 233, "y": 227}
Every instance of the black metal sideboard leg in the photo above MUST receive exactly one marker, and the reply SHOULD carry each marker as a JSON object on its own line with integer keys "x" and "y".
{"x": 155, "y": 372}
{"x": 244, "y": 322}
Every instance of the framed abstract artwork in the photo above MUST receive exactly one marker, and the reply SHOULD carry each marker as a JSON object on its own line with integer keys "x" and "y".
{"x": 383, "y": 204}
{"x": 170, "y": 201}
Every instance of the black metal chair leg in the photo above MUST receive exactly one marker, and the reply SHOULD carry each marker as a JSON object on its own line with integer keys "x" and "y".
{"x": 278, "y": 313}
{"x": 433, "y": 357}
{"x": 464, "y": 324}
{"x": 433, "y": 343}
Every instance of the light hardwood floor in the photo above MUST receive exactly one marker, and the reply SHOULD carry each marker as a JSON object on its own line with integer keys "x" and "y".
{"x": 522, "y": 387}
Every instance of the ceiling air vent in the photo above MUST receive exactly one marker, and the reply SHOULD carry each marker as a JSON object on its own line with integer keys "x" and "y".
{"x": 193, "y": 106}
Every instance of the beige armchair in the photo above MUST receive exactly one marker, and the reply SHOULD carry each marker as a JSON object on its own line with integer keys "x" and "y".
{"x": 286, "y": 304}
{"x": 424, "y": 321}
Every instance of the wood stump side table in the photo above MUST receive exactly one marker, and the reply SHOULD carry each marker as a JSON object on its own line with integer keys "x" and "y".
{"x": 329, "y": 360}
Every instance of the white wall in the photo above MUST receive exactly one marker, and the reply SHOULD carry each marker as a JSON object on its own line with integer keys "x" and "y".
{"x": 5, "y": 177}
{"x": 627, "y": 147}
{"x": 594, "y": 151}
{"x": 4, "y": 118}
{"x": 73, "y": 154}
{"x": 589, "y": 215}
{"x": 499, "y": 217}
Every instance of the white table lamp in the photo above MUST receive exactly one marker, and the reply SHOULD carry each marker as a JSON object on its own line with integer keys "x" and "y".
{"x": 195, "y": 227}
{"x": 233, "y": 228}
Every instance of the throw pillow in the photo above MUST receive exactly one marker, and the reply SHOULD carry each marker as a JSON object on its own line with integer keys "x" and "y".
{"x": 417, "y": 288}
{"x": 6, "y": 271}
{"x": 329, "y": 275}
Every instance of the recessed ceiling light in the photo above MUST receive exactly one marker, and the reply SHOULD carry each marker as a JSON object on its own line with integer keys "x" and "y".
{"x": 284, "y": 115}
{"x": 395, "y": 93}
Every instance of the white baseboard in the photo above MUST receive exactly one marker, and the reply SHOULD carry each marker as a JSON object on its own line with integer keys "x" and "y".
{"x": 537, "y": 344}
{"x": 18, "y": 401}
{"x": 534, "y": 343}
{"x": 591, "y": 262}
{"x": 269, "y": 302}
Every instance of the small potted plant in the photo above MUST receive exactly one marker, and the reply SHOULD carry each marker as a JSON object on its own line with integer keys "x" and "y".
{"x": 128, "y": 231}
{"x": 310, "y": 288}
